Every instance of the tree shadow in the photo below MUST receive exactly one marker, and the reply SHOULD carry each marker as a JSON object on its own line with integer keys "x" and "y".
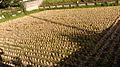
{"x": 87, "y": 44}
{"x": 4, "y": 65}
{"x": 1, "y": 60}
{"x": 16, "y": 61}
{"x": 61, "y": 24}
{"x": 84, "y": 57}
{"x": 86, "y": 41}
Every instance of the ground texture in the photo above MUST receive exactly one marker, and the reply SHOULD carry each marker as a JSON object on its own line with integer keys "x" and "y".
{"x": 63, "y": 37}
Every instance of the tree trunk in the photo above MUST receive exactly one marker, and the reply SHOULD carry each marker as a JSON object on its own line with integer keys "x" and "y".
{"x": 95, "y": 2}
{"x": 117, "y": 1}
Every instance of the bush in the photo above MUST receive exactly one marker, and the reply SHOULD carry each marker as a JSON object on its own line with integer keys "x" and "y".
{"x": 9, "y": 3}
{"x": 112, "y": 4}
{"x": 104, "y": 4}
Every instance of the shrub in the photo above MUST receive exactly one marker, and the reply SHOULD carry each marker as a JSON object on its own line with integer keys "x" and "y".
{"x": 104, "y": 4}
{"x": 9, "y": 3}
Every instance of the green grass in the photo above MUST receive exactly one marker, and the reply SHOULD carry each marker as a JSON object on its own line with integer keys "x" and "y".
{"x": 64, "y": 1}
{"x": 87, "y": 6}
{"x": 53, "y": 1}
{"x": 8, "y": 16}
{"x": 59, "y": 1}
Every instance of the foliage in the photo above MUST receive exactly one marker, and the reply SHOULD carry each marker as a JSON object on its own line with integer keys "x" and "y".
{"x": 9, "y": 3}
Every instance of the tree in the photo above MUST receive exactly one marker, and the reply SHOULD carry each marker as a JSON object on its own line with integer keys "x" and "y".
{"x": 117, "y": 1}
{"x": 9, "y": 3}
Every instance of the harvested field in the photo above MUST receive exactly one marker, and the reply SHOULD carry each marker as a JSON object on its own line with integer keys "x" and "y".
{"x": 50, "y": 37}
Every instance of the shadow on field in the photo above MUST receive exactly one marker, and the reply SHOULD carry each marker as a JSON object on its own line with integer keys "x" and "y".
{"x": 4, "y": 65}
{"x": 61, "y": 24}
{"x": 86, "y": 41}
{"x": 16, "y": 61}
{"x": 80, "y": 57}
{"x": 85, "y": 55}
{"x": 1, "y": 60}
